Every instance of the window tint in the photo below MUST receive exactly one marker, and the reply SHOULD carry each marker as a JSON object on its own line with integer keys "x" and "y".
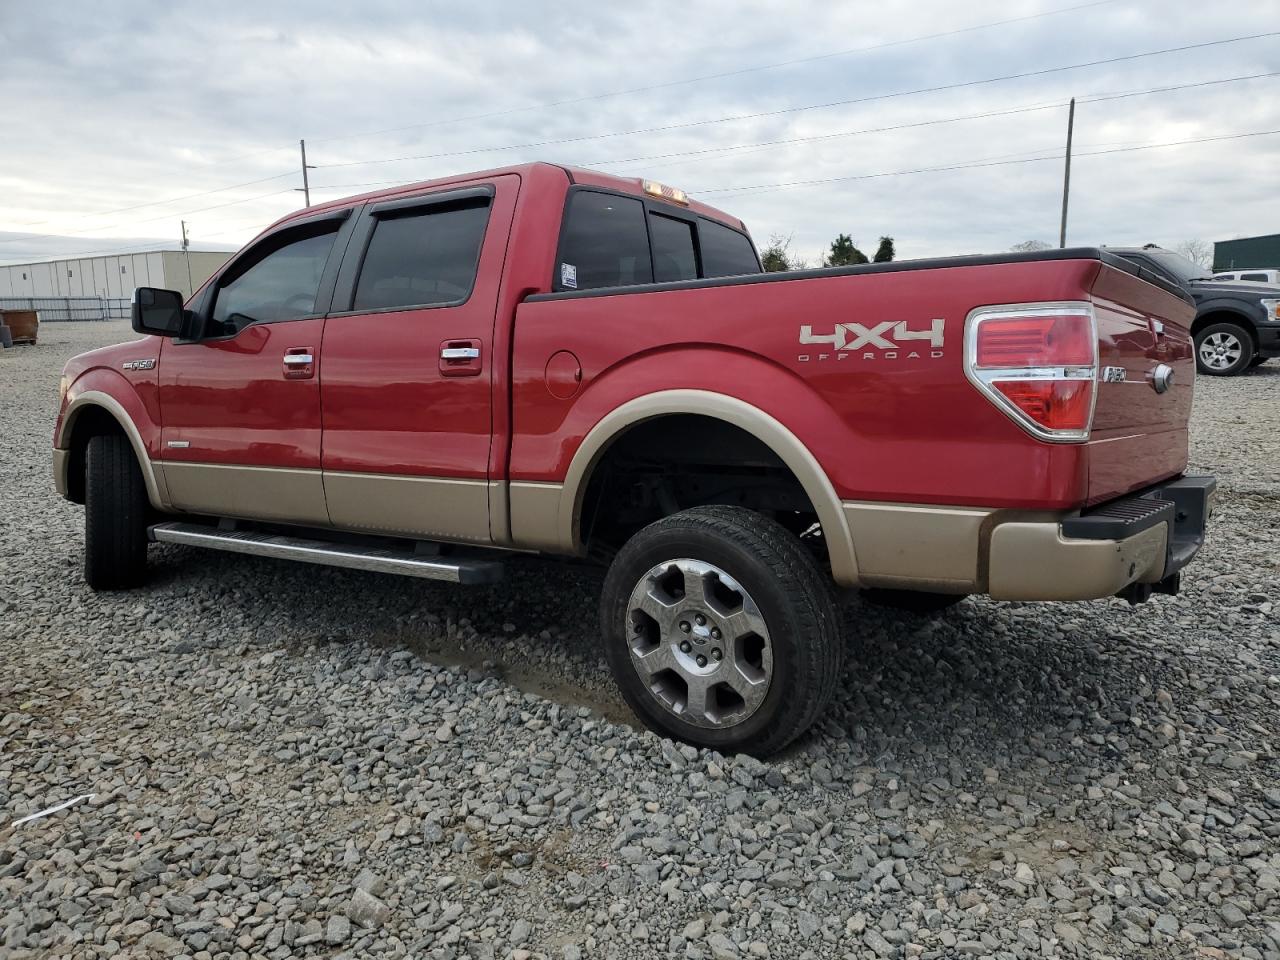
{"x": 725, "y": 252}
{"x": 1224, "y": 276}
{"x": 281, "y": 285}
{"x": 427, "y": 256}
{"x": 1254, "y": 276}
{"x": 605, "y": 243}
{"x": 673, "y": 256}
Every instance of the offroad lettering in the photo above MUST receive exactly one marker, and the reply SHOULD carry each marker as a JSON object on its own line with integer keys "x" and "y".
{"x": 893, "y": 336}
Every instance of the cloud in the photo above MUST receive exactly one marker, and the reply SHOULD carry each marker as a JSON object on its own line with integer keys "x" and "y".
{"x": 122, "y": 105}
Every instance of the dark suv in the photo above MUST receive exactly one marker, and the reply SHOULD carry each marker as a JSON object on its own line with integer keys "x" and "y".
{"x": 1237, "y": 324}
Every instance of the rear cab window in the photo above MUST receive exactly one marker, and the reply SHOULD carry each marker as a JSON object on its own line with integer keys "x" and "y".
{"x": 612, "y": 240}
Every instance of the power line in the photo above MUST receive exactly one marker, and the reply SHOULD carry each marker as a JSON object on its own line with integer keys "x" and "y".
{"x": 600, "y": 96}
{"x": 813, "y": 106}
{"x": 153, "y": 203}
{"x": 715, "y": 76}
{"x": 1011, "y": 111}
{"x": 701, "y": 154}
{"x": 763, "y": 187}
{"x": 163, "y": 216}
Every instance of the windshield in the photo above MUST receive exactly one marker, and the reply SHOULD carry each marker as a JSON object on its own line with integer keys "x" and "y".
{"x": 1178, "y": 265}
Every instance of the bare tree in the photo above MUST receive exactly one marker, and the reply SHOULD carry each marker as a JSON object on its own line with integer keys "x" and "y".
{"x": 777, "y": 256}
{"x": 1031, "y": 246}
{"x": 1199, "y": 252}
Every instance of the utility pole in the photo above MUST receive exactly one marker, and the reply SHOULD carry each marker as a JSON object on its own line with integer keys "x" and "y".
{"x": 186, "y": 251}
{"x": 1066, "y": 174}
{"x": 306, "y": 187}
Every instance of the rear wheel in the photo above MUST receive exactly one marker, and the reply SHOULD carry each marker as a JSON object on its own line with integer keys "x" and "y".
{"x": 911, "y": 601}
{"x": 1223, "y": 349}
{"x": 721, "y": 630}
{"x": 115, "y": 515}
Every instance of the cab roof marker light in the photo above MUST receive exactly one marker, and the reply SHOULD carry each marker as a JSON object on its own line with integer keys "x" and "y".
{"x": 663, "y": 192}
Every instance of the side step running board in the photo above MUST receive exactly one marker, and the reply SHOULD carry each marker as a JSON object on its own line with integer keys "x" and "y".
{"x": 465, "y": 570}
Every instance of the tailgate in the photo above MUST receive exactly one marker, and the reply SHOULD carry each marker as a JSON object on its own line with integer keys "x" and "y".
{"x": 1139, "y": 436}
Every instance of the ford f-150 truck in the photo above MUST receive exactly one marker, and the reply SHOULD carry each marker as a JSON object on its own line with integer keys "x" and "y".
{"x": 550, "y": 360}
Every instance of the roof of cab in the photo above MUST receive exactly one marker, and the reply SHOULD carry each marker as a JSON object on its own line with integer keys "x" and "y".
{"x": 575, "y": 175}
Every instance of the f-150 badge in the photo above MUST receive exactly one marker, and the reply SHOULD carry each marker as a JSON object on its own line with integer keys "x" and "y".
{"x": 148, "y": 364}
{"x": 888, "y": 340}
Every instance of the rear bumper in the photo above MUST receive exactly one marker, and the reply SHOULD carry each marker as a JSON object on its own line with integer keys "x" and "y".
{"x": 1146, "y": 538}
{"x": 1124, "y": 546}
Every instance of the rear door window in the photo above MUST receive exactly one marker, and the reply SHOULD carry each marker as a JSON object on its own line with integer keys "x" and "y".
{"x": 673, "y": 251}
{"x": 605, "y": 243}
{"x": 1254, "y": 276}
{"x": 425, "y": 256}
{"x": 725, "y": 252}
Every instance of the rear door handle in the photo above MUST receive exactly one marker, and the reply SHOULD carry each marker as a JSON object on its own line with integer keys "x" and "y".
{"x": 460, "y": 358}
{"x": 299, "y": 363}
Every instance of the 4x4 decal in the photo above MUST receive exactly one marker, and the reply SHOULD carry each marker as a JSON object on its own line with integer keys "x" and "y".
{"x": 888, "y": 340}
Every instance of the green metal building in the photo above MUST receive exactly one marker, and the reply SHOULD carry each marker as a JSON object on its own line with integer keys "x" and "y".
{"x": 1247, "y": 252}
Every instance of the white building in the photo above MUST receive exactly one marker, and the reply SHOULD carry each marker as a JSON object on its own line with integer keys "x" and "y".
{"x": 113, "y": 277}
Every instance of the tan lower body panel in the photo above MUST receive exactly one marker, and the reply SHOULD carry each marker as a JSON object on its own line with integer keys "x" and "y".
{"x": 61, "y": 462}
{"x": 535, "y": 516}
{"x": 1033, "y": 561}
{"x": 429, "y": 508}
{"x": 917, "y": 547}
{"x": 250, "y": 493}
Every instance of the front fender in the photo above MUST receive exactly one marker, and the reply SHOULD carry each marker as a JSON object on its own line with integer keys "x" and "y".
{"x": 108, "y": 391}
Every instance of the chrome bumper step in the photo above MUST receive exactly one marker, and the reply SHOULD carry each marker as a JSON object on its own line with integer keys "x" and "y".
{"x": 464, "y": 570}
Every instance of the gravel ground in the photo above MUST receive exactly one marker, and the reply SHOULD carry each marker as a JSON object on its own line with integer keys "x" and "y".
{"x": 296, "y": 761}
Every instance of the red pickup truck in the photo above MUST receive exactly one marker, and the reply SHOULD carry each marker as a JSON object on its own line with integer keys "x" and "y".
{"x": 552, "y": 360}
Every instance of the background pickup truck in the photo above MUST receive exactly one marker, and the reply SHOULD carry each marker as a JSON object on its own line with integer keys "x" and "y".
{"x": 547, "y": 359}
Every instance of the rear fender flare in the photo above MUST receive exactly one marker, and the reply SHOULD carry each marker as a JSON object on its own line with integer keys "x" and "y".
{"x": 764, "y": 427}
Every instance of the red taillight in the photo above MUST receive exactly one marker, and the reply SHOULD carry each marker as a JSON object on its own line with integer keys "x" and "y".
{"x": 1035, "y": 341}
{"x": 1038, "y": 364}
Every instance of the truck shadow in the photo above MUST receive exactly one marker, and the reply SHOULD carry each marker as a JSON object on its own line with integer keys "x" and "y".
{"x": 975, "y": 685}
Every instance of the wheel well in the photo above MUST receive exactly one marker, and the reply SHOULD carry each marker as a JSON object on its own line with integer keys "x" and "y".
{"x": 1225, "y": 316}
{"x": 671, "y": 463}
{"x": 92, "y": 421}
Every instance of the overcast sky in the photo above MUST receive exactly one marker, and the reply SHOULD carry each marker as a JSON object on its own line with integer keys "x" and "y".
{"x": 152, "y": 107}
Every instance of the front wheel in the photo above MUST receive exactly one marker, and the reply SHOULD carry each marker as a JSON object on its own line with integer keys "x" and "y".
{"x": 1223, "y": 350}
{"x": 721, "y": 630}
{"x": 115, "y": 515}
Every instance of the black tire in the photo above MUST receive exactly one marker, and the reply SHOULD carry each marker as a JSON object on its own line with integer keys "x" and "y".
{"x": 1223, "y": 350}
{"x": 776, "y": 576}
{"x": 115, "y": 515}
{"x": 911, "y": 601}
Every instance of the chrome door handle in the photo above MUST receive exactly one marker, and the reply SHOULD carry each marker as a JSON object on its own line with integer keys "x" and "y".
{"x": 298, "y": 360}
{"x": 460, "y": 353}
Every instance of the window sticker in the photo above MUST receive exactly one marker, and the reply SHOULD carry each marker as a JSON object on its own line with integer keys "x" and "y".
{"x": 569, "y": 276}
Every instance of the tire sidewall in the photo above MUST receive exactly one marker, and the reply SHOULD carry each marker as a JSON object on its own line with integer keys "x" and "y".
{"x": 1246, "y": 351}
{"x": 778, "y": 610}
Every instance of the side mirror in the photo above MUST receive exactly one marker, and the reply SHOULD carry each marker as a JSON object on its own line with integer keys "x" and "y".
{"x": 157, "y": 311}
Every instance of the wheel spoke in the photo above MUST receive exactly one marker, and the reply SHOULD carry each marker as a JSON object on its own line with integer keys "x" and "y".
{"x": 698, "y": 697}
{"x": 742, "y": 622}
{"x": 653, "y": 662}
{"x": 695, "y": 589}
{"x": 656, "y": 607}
